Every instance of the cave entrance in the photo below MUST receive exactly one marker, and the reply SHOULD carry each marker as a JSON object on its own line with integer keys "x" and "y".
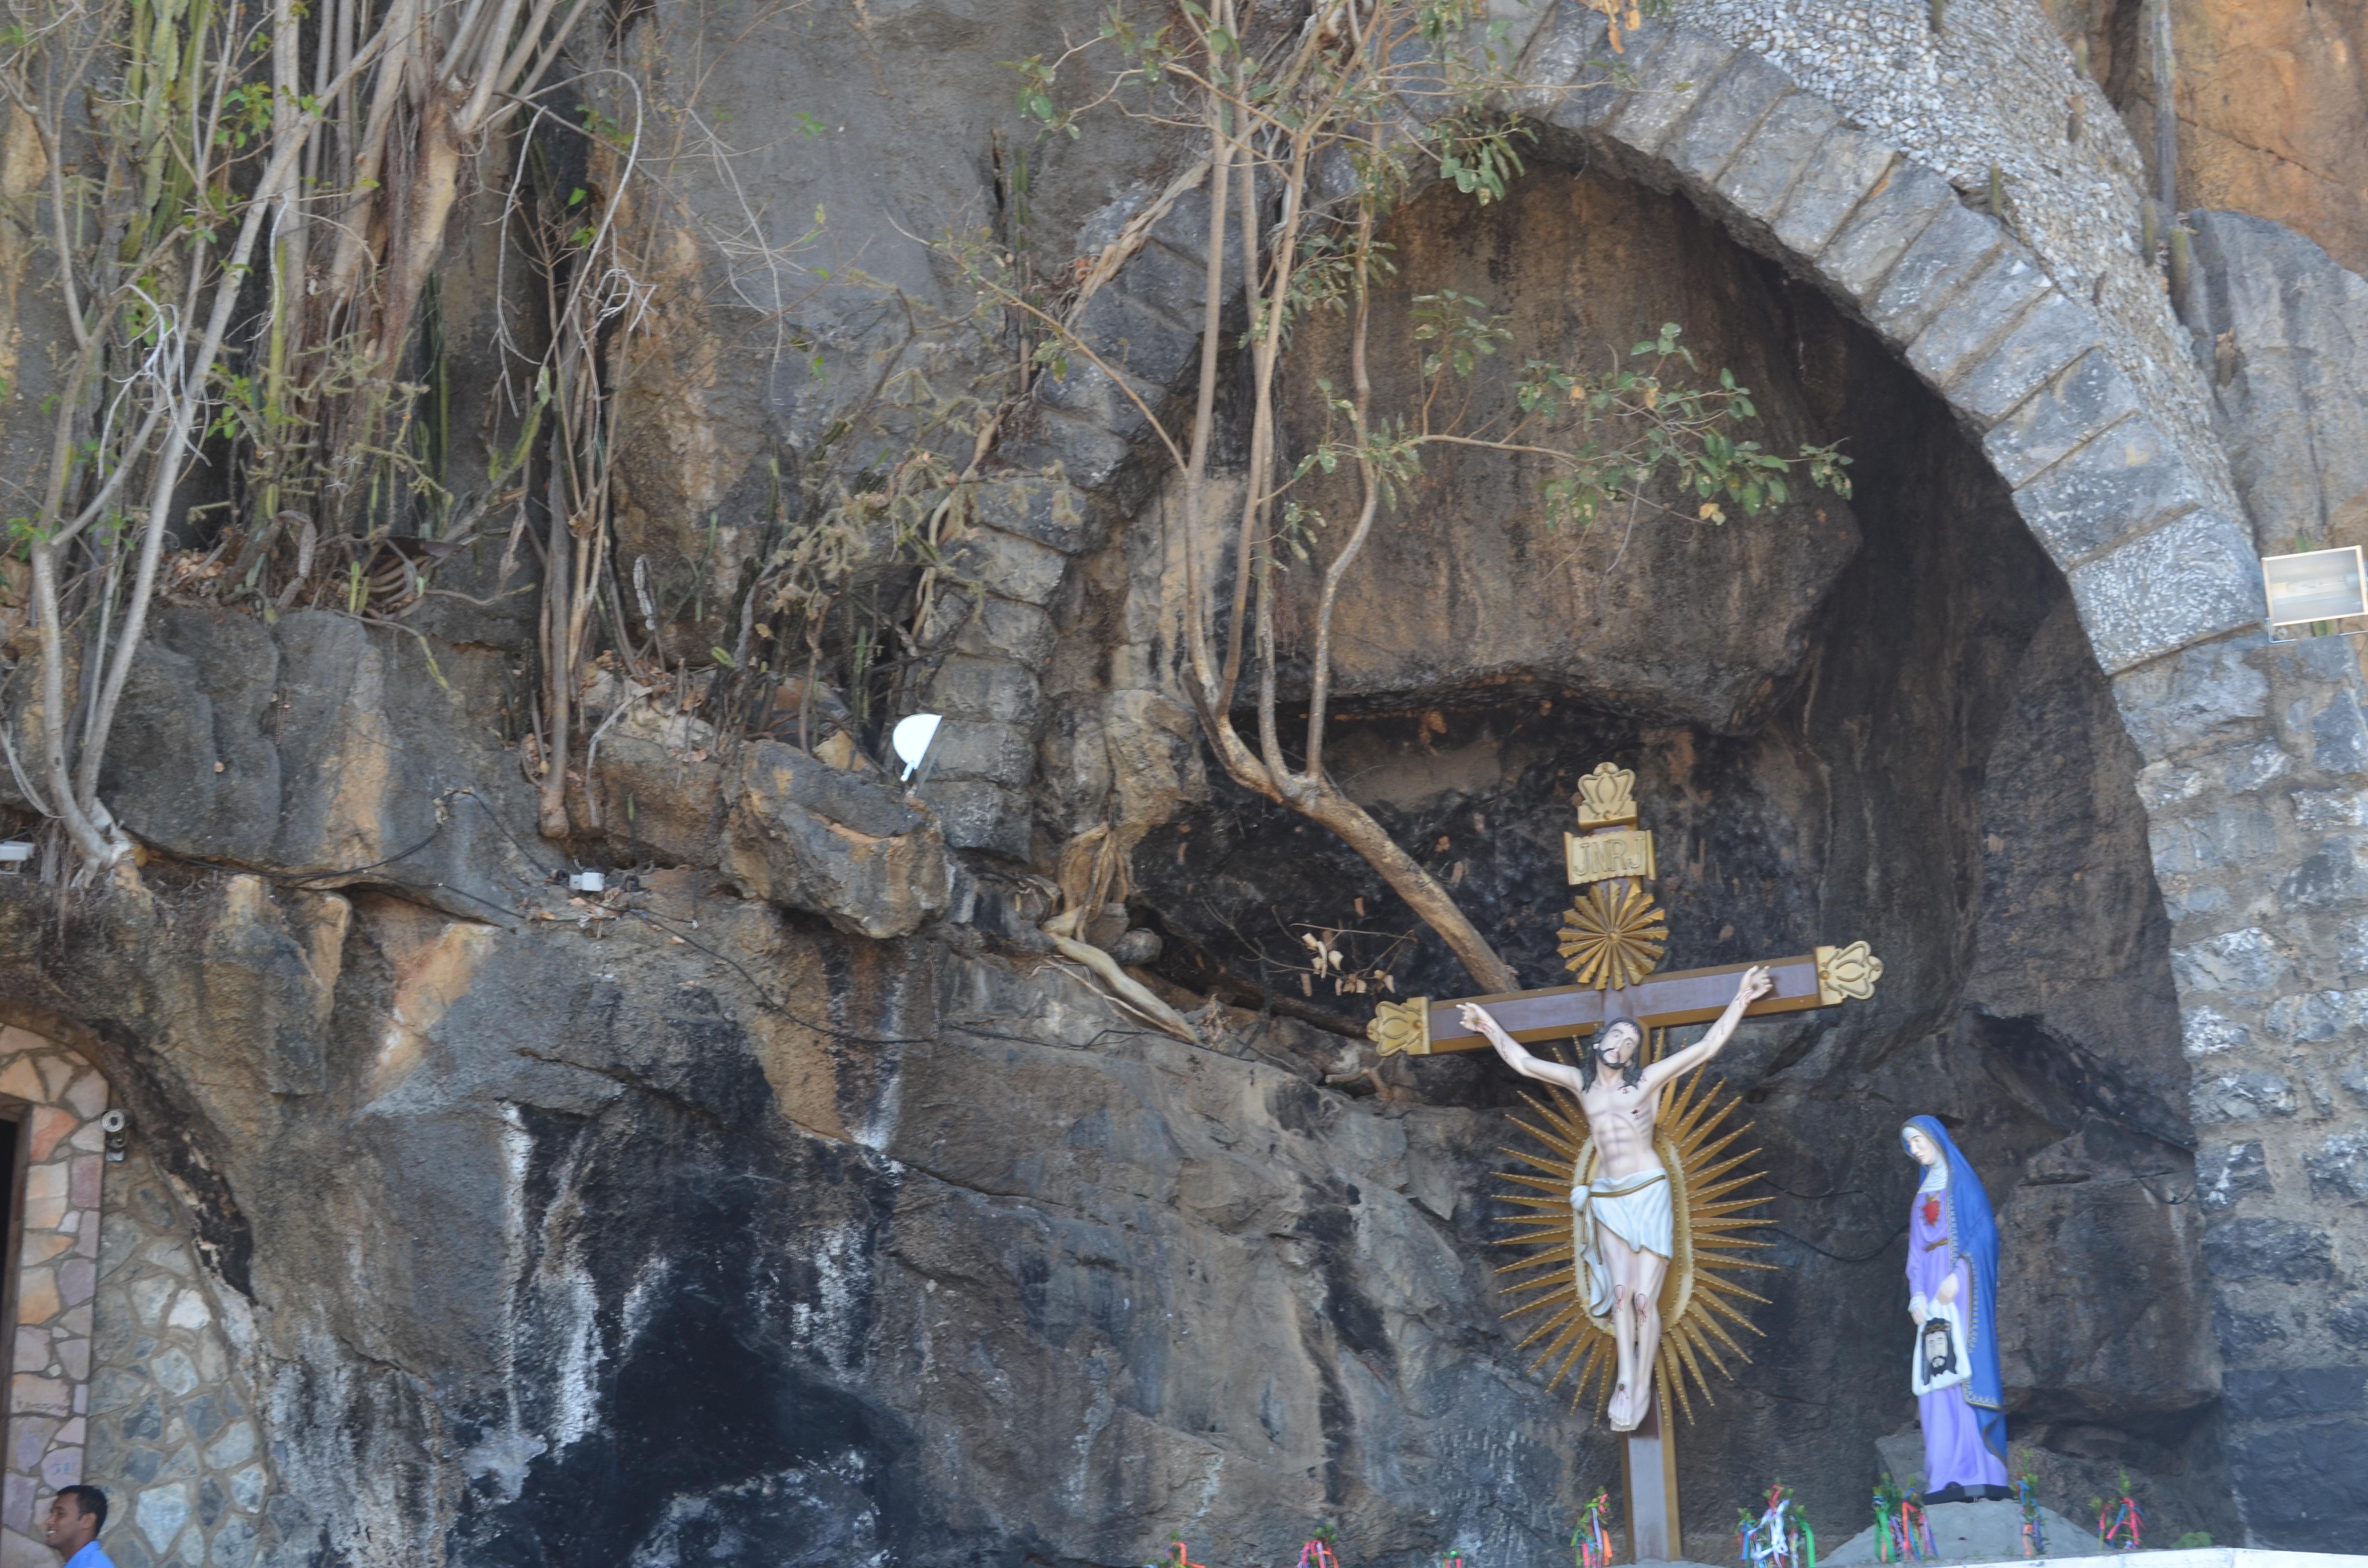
{"x": 1878, "y": 717}
{"x": 13, "y": 1113}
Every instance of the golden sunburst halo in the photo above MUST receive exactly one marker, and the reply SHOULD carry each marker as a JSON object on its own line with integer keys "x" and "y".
{"x": 1613, "y": 935}
{"x": 1699, "y": 1301}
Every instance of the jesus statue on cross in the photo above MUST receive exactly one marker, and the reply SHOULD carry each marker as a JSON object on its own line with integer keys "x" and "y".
{"x": 1624, "y": 1252}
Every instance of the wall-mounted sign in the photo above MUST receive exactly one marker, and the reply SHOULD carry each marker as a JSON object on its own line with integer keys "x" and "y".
{"x": 2316, "y": 585}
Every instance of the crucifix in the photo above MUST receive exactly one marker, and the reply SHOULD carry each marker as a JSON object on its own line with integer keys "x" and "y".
{"x": 1612, "y": 940}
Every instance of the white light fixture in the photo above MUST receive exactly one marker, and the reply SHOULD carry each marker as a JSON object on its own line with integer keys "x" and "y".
{"x": 912, "y": 739}
{"x": 13, "y": 858}
{"x": 587, "y": 881}
{"x": 2315, "y": 589}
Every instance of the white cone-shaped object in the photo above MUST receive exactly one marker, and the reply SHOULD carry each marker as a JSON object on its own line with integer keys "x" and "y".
{"x": 911, "y": 738}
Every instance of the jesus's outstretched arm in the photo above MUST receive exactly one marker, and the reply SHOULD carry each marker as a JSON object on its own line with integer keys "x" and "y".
{"x": 1476, "y": 1018}
{"x": 1754, "y": 984}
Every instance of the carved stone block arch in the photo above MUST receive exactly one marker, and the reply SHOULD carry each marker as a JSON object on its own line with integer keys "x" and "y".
{"x": 2155, "y": 562}
{"x": 56, "y": 1097}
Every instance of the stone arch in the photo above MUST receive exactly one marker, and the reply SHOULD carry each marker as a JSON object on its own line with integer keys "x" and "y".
{"x": 56, "y": 1100}
{"x": 2255, "y": 756}
{"x": 2153, "y": 566}
{"x": 123, "y": 1366}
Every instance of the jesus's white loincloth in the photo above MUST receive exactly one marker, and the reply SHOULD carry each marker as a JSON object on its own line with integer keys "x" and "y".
{"x": 1634, "y": 1207}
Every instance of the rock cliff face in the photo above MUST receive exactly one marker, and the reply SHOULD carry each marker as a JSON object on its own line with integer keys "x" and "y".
{"x": 795, "y": 1203}
{"x": 2271, "y": 116}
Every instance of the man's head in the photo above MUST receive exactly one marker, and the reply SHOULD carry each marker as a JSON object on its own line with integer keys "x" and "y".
{"x": 1940, "y": 1356}
{"x": 76, "y": 1514}
{"x": 1622, "y": 1046}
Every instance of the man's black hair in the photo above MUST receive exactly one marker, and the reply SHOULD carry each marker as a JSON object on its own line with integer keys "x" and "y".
{"x": 1630, "y": 1070}
{"x": 87, "y": 1500}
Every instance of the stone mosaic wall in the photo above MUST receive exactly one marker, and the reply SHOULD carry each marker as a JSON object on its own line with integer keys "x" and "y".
{"x": 57, "y": 1263}
{"x": 174, "y": 1439}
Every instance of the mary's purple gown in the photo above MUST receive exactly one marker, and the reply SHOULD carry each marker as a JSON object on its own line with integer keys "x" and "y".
{"x": 1954, "y": 1450}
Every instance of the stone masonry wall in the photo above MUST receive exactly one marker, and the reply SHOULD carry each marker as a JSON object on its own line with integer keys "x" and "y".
{"x": 49, "y": 1362}
{"x": 174, "y": 1436}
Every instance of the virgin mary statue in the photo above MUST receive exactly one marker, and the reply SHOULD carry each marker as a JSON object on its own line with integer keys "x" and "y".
{"x": 1953, "y": 1257}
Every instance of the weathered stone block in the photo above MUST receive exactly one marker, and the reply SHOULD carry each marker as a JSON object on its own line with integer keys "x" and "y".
{"x": 1132, "y": 332}
{"x": 1941, "y": 260}
{"x": 2276, "y": 1250}
{"x": 1008, "y": 565}
{"x": 2339, "y": 1174}
{"x": 1595, "y": 104}
{"x": 2124, "y": 481}
{"x": 2246, "y": 961}
{"x": 2239, "y": 770}
{"x": 1171, "y": 281}
{"x": 850, "y": 846}
{"x": 2339, "y": 736}
{"x": 1848, "y": 167}
{"x": 1761, "y": 175}
{"x": 1174, "y": 283}
{"x": 994, "y": 691}
{"x": 1082, "y": 451}
{"x": 1009, "y": 629}
{"x": 2193, "y": 578}
{"x": 2206, "y": 1031}
{"x": 1045, "y": 510}
{"x": 999, "y": 754}
{"x": 2206, "y": 697}
{"x": 1955, "y": 337}
{"x": 1723, "y": 119}
{"x": 1680, "y": 75}
{"x": 1879, "y": 232}
{"x": 2067, "y": 411}
{"x": 2231, "y": 1172}
{"x": 2331, "y": 876}
{"x": 976, "y": 814}
{"x": 2051, "y": 336}
{"x": 2235, "y": 833}
{"x": 1562, "y": 59}
{"x": 2243, "y": 1096}
{"x": 2349, "y": 1320}
{"x": 1087, "y": 391}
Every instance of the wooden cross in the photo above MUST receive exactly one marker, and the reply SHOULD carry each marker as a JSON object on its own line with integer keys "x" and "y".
{"x": 1611, "y": 853}
{"x": 1612, "y": 937}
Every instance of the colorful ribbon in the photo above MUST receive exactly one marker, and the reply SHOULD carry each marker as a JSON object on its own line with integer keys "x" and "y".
{"x": 1778, "y": 1538}
{"x": 1590, "y": 1544}
{"x": 2118, "y": 1525}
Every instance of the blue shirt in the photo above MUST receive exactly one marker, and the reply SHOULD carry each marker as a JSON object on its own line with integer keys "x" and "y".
{"x": 90, "y": 1557}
